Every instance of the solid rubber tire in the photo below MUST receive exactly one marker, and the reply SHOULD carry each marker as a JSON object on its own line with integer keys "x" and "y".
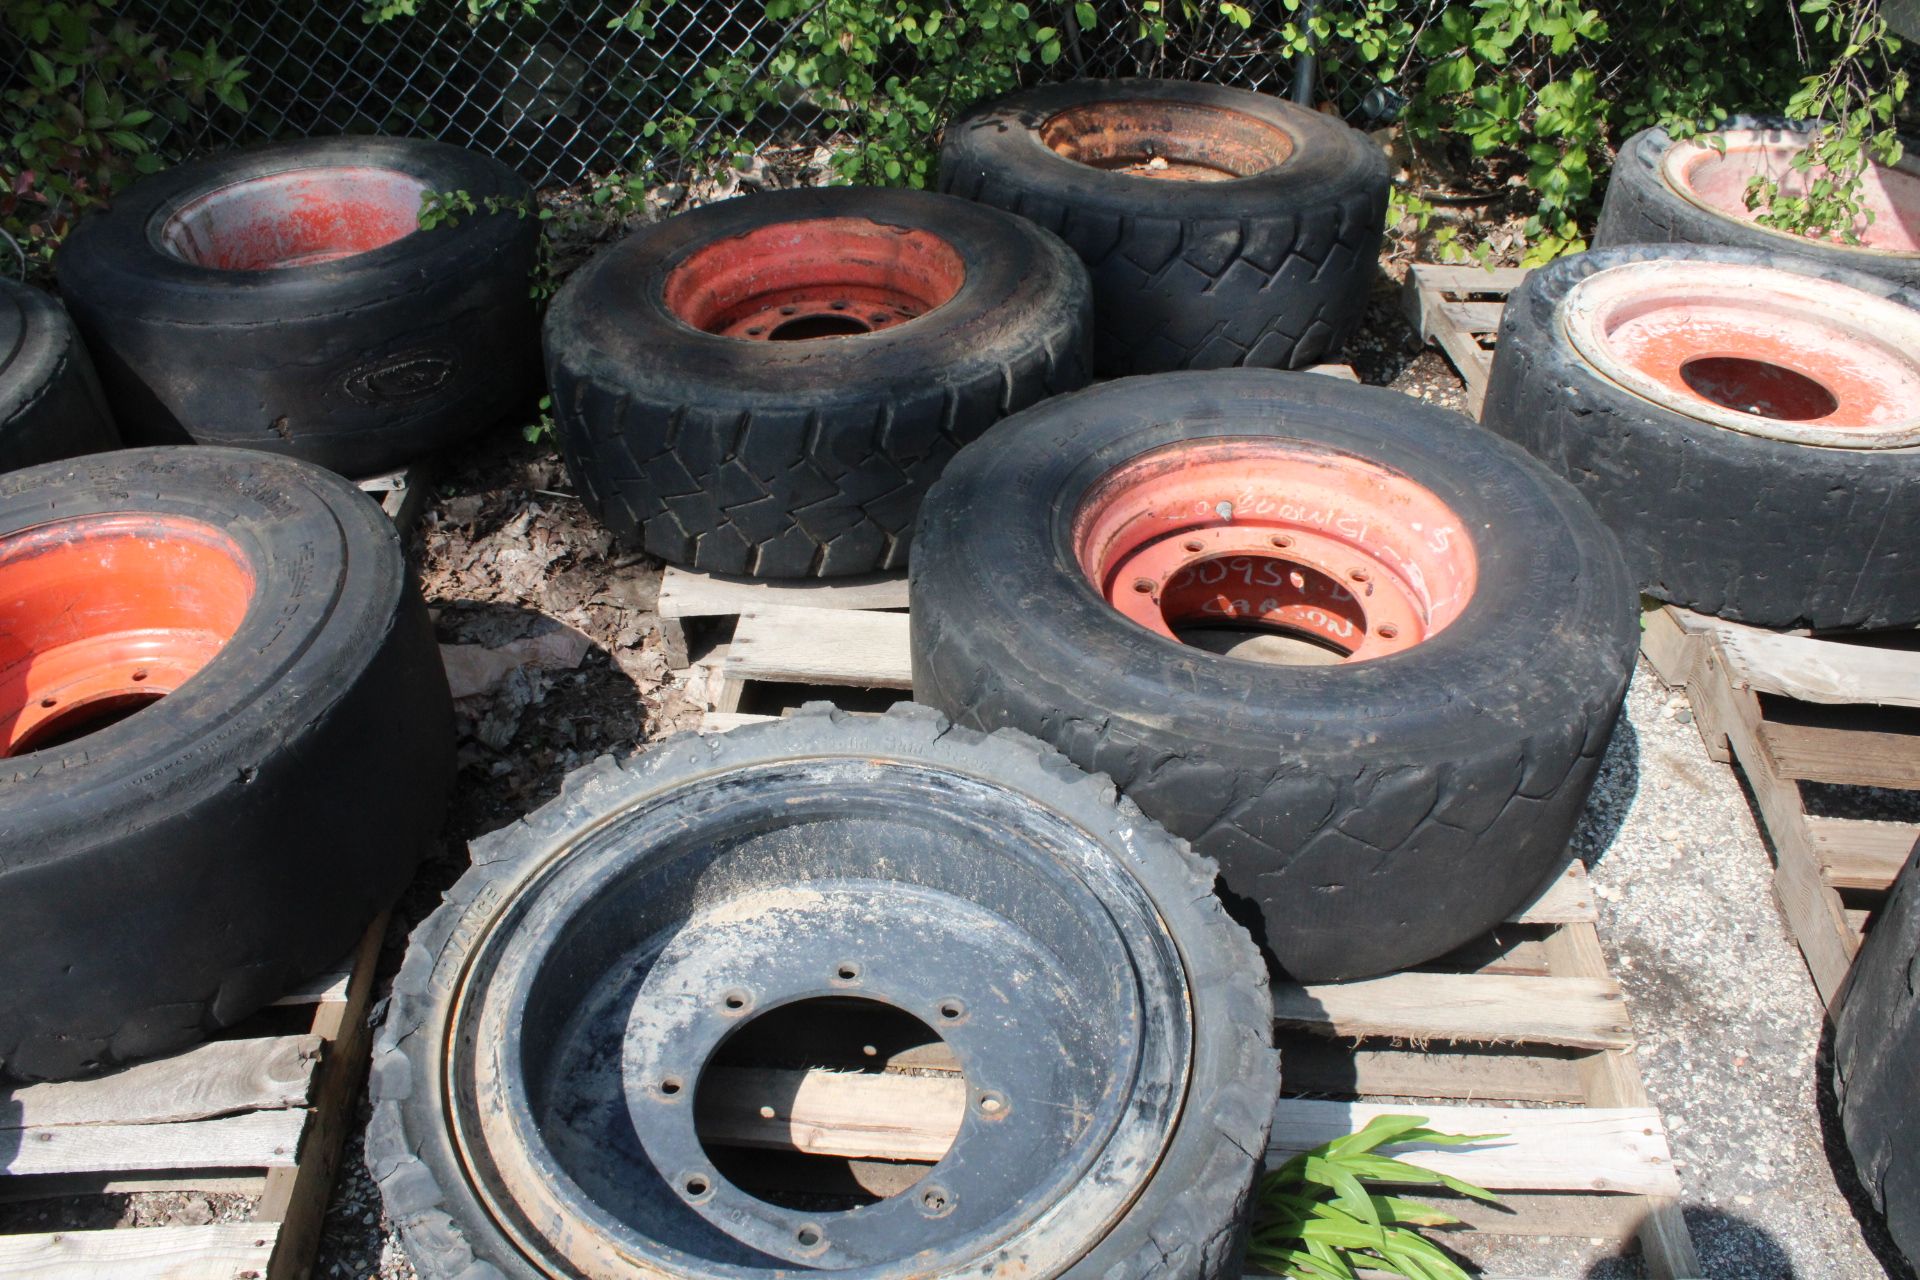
{"x": 1271, "y": 270}
{"x": 1641, "y": 208}
{"x": 1741, "y": 526}
{"x": 50, "y": 401}
{"x": 1373, "y": 814}
{"x": 164, "y": 877}
{"x": 1876, "y": 1060}
{"x": 361, "y": 364}
{"x": 800, "y": 459}
{"x": 1190, "y": 1221}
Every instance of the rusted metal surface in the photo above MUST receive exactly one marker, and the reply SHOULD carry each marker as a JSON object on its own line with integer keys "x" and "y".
{"x": 299, "y": 218}
{"x": 1171, "y": 141}
{"x": 816, "y": 278}
{"x": 1765, "y": 352}
{"x": 1265, "y": 536}
{"x": 102, "y": 615}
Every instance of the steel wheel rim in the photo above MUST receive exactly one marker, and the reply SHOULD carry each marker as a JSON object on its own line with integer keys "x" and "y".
{"x": 298, "y": 218}
{"x": 1278, "y": 537}
{"x": 103, "y": 615}
{"x": 526, "y": 1179}
{"x": 1734, "y": 346}
{"x": 1715, "y": 178}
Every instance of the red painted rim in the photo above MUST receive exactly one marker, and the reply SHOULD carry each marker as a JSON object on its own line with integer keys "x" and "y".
{"x": 1754, "y": 349}
{"x": 822, "y": 278}
{"x": 1171, "y": 141}
{"x": 103, "y": 615}
{"x": 299, "y": 218}
{"x": 1274, "y": 538}
{"x": 1716, "y": 173}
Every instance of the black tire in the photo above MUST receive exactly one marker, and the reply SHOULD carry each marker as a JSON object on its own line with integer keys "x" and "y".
{"x": 359, "y": 363}
{"x": 1749, "y": 528}
{"x": 1189, "y": 1216}
{"x": 1269, "y": 270}
{"x": 168, "y": 873}
{"x": 1876, "y": 1042}
{"x": 50, "y": 401}
{"x": 1642, "y": 206}
{"x": 807, "y": 458}
{"x": 1373, "y": 814}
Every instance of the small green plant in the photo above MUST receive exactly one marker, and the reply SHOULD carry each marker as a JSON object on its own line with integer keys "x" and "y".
{"x": 1318, "y": 1218}
{"x": 1858, "y": 94}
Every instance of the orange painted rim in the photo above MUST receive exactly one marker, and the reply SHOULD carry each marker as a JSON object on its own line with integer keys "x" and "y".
{"x": 1754, "y": 349}
{"x": 1715, "y": 173}
{"x": 299, "y": 218}
{"x": 1170, "y": 141}
{"x": 101, "y": 616}
{"x": 1273, "y": 537}
{"x": 820, "y": 278}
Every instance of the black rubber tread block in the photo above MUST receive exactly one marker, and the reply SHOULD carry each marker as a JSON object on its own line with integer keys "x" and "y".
{"x": 800, "y": 459}
{"x": 1724, "y": 522}
{"x": 1268, "y": 271}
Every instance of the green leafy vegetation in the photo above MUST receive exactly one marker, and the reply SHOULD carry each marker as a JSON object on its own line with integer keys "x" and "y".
{"x": 98, "y": 102}
{"x": 1320, "y": 1217}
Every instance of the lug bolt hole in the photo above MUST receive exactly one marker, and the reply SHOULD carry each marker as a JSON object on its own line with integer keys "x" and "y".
{"x": 847, "y": 971}
{"x": 1281, "y": 540}
{"x": 698, "y": 1186}
{"x": 671, "y": 1086}
{"x": 1358, "y": 575}
{"x": 838, "y": 306}
{"x": 755, "y": 332}
{"x": 140, "y": 675}
{"x": 734, "y": 1001}
{"x": 952, "y": 1010}
{"x": 991, "y": 1104}
{"x": 1143, "y": 585}
{"x": 787, "y": 311}
{"x": 808, "y": 1237}
{"x": 936, "y": 1202}
{"x": 1387, "y": 631}
{"x": 1195, "y": 545}
{"x": 49, "y": 702}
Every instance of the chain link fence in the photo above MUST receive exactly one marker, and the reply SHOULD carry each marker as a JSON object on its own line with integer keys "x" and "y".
{"x": 565, "y": 88}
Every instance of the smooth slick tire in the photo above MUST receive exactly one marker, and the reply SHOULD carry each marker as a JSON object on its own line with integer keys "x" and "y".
{"x": 1371, "y": 813}
{"x": 50, "y": 401}
{"x": 768, "y": 385}
{"x": 284, "y": 298}
{"x": 1112, "y": 1026}
{"x": 1785, "y": 491}
{"x": 1222, "y": 227}
{"x": 225, "y": 741}
{"x": 1692, "y": 191}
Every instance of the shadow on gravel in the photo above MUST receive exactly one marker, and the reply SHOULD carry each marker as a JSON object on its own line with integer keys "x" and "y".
{"x": 1614, "y": 790}
{"x": 1834, "y": 1140}
{"x": 1732, "y": 1248}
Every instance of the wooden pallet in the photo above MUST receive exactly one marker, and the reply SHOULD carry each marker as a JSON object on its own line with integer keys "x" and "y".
{"x": 1458, "y": 309}
{"x": 1790, "y": 709}
{"x": 1529, "y": 1016}
{"x": 263, "y": 1113}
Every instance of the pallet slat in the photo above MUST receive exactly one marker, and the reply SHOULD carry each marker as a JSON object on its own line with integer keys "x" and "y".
{"x": 1859, "y": 853}
{"x": 1481, "y": 1008}
{"x": 259, "y": 1139}
{"x": 219, "y": 1252}
{"x": 1850, "y": 757}
{"x": 1615, "y": 1149}
{"x": 1821, "y": 671}
{"x": 820, "y": 646}
{"x": 205, "y": 1082}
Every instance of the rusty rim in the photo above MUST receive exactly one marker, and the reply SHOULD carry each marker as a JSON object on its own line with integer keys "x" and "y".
{"x": 299, "y": 218}
{"x": 822, "y": 278}
{"x": 1273, "y": 551}
{"x": 1755, "y": 350}
{"x": 104, "y": 615}
{"x": 1172, "y": 141}
{"x": 1716, "y": 180}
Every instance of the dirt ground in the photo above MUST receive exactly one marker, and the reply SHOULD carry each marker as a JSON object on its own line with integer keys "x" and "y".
{"x": 512, "y": 565}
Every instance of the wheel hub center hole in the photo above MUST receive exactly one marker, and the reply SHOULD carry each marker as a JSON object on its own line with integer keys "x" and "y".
{"x": 752, "y": 1100}
{"x": 81, "y": 719}
{"x": 1263, "y": 608}
{"x": 1758, "y": 387}
{"x": 820, "y": 325}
